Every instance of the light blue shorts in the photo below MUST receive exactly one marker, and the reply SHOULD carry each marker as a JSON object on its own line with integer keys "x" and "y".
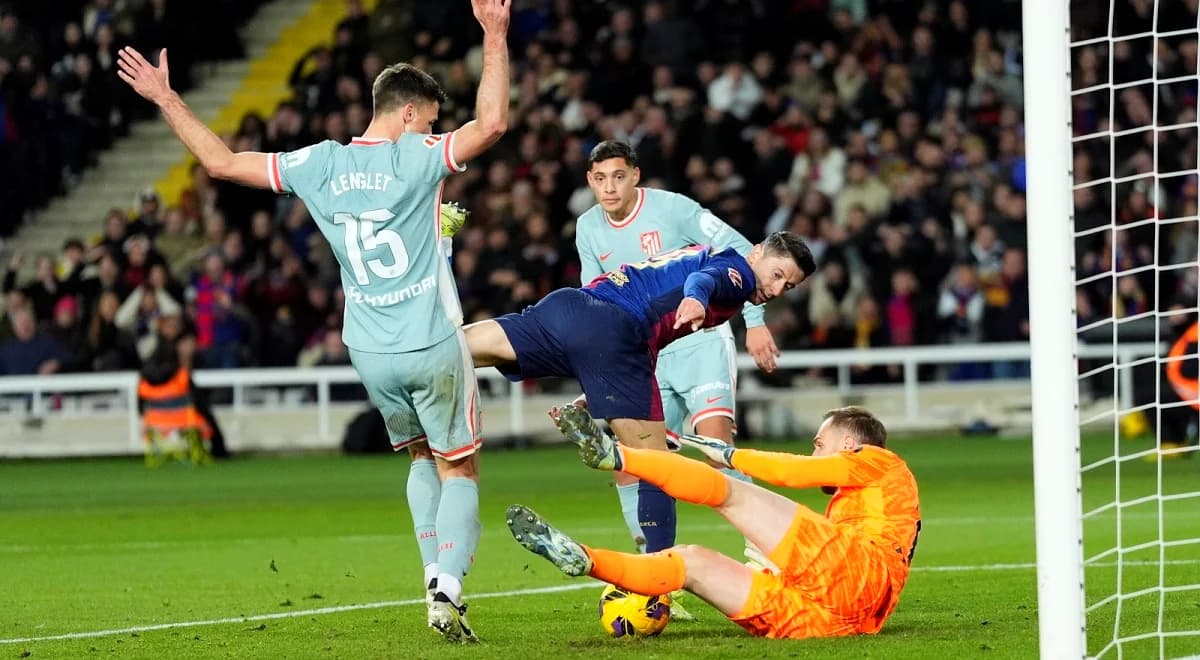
{"x": 428, "y": 395}
{"x": 697, "y": 382}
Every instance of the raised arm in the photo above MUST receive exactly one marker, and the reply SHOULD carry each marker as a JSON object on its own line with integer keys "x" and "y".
{"x": 795, "y": 471}
{"x": 491, "y": 101}
{"x": 248, "y": 168}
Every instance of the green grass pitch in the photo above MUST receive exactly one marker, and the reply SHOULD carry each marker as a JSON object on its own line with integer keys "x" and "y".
{"x": 312, "y": 557}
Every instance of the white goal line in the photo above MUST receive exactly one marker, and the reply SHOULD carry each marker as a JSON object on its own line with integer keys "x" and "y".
{"x": 576, "y": 586}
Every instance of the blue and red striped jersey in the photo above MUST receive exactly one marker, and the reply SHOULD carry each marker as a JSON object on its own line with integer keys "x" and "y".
{"x": 650, "y": 291}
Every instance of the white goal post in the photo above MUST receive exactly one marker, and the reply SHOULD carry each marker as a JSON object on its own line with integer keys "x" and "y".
{"x": 1056, "y": 458}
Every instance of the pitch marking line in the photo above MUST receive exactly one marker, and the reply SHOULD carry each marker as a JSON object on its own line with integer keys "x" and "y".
{"x": 289, "y": 615}
{"x": 495, "y": 594}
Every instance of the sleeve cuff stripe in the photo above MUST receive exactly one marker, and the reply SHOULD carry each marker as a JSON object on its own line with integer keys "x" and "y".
{"x": 448, "y": 151}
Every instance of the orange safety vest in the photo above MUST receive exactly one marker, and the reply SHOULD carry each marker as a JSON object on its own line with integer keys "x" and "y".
{"x": 1187, "y": 388}
{"x": 169, "y": 408}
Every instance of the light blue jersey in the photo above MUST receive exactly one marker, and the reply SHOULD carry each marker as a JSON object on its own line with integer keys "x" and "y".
{"x": 697, "y": 375}
{"x": 377, "y": 203}
{"x": 659, "y": 222}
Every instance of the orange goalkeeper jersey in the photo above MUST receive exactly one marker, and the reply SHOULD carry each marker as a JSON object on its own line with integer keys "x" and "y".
{"x": 876, "y": 494}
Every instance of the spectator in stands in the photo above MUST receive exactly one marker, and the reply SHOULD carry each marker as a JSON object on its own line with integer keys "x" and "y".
{"x": 821, "y": 166}
{"x": 147, "y": 222}
{"x": 70, "y": 267}
{"x": 863, "y": 189}
{"x": 139, "y": 313}
{"x": 103, "y": 277}
{"x": 14, "y": 39}
{"x": 180, "y": 243}
{"x": 30, "y": 351}
{"x": 215, "y": 298}
{"x": 960, "y": 310}
{"x": 112, "y": 242}
{"x": 109, "y": 347}
{"x": 891, "y": 135}
{"x": 67, "y": 329}
{"x": 735, "y": 91}
{"x": 1006, "y": 315}
{"x": 833, "y": 295}
{"x": 43, "y": 291}
{"x": 870, "y": 331}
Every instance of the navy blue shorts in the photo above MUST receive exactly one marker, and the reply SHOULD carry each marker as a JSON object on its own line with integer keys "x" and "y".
{"x": 570, "y": 333}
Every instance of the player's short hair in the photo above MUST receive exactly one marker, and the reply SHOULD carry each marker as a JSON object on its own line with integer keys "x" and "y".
{"x": 613, "y": 149}
{"x": 860, "y": 423}
{"x": 403, "y": 83}
{"x": 786, "y": 243}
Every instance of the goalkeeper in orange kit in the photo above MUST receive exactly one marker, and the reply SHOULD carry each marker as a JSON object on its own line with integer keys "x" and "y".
{"x": 838, "y": 574}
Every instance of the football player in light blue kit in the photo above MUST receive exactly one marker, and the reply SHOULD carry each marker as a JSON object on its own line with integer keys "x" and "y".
{"x": 697, "y": 375}
{"x": 377, "y": 202}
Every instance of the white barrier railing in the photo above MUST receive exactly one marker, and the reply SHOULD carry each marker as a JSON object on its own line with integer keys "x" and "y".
{"x": 38, "y": 388}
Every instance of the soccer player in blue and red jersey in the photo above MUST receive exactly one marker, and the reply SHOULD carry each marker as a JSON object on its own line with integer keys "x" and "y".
{"x": 608, "y": 333}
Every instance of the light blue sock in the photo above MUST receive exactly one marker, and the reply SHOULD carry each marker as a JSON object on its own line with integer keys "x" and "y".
{"x": 629, "y": 510}
{"x": 734, "y": 473}
{"x": 424, "y": 493}
{"x": 458, "y": 532}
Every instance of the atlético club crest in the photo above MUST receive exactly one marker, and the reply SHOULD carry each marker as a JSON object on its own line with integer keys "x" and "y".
{"x": 735, "y": 277}
{"x": 651, "y": 243}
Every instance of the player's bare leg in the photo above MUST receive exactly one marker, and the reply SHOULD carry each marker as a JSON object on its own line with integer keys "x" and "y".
{"x": 721, "y": 428}
{"x": 489, "y": 345}
{"x": 458, "y": 536}
{"x": 719, "y": 580}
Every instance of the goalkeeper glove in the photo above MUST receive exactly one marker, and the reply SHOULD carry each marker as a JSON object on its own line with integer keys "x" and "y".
{"x": 453, "y": 217}
{"x": 716, "y": 450}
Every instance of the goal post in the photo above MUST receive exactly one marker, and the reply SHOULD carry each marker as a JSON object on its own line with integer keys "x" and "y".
{"x": 1056, "y": 457}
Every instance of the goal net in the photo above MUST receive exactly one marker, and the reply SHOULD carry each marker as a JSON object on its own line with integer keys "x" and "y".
{"x": 1113, "y": 231}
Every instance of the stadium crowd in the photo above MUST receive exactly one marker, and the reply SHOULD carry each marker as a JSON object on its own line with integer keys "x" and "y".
{"x": 887, "y": 132}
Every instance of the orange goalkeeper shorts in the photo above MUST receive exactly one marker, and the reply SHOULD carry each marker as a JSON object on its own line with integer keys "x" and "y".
{"x": 832, "y": 582}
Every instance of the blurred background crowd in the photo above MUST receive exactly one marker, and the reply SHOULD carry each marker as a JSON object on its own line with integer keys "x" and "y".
{"x": 889, "y": 133}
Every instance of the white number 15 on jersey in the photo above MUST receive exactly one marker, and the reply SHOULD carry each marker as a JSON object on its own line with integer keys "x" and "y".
{"x": 362, "y": 230}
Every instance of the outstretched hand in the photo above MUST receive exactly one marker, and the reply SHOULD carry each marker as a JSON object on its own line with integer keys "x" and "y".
{"x": 761, "y": 345}
{"x": 151, "y": 82}
{"x": 715, "y": 450}
{"x": 690, "y": 311}
{"x": 492, "y": 15}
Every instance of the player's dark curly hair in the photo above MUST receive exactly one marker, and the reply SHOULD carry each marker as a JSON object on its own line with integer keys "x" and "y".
{"x": 783, "y": 243}
{"x": 403, "y": 83}
{"x": 613, "y": 149}
{"x": 860, "y": 423}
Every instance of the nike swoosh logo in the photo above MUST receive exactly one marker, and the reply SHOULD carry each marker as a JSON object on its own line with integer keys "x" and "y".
{"x": 713, "y": 399}
{"x": 605, "y": 256}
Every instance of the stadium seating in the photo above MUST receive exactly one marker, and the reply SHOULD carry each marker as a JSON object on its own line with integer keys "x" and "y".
{"x": 893, "y": 141}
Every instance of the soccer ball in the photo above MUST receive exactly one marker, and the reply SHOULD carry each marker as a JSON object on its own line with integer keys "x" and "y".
{"x": 625, "y": 614}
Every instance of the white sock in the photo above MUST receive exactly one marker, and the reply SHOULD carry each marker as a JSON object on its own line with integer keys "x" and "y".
{"x": 451, "y": 586}
{"x": 431, "y": 573}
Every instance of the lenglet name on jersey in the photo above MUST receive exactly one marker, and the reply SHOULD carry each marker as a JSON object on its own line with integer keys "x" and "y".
{"x": 355, "y": 295}
{"x": 360, "y": 181}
